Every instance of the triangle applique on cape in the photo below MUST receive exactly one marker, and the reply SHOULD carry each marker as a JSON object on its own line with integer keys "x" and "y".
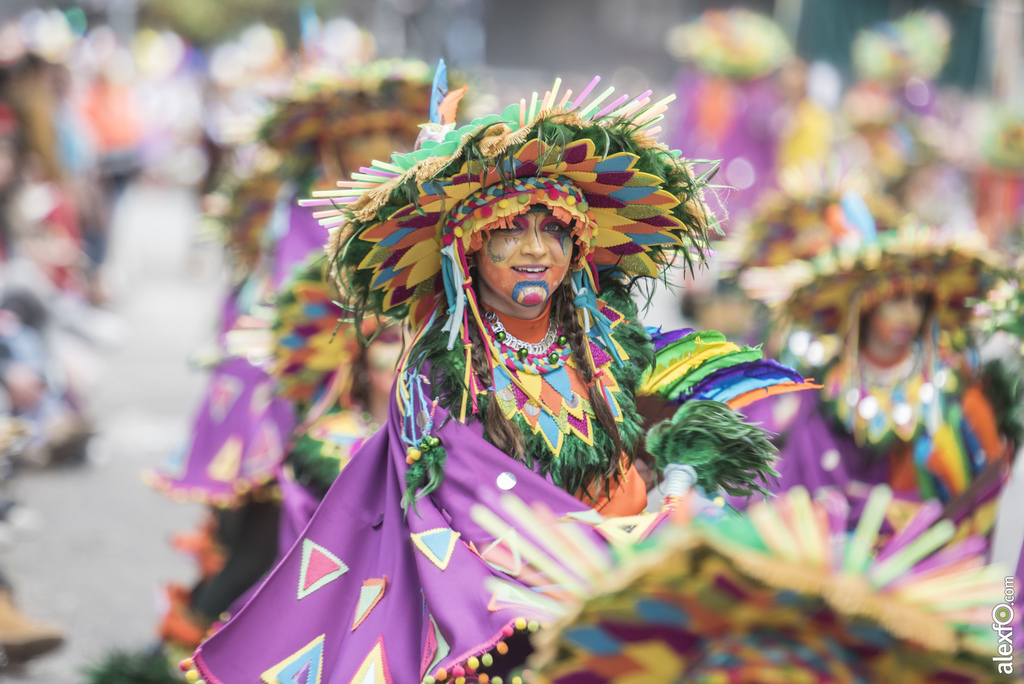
{"x": 441, "y": 602}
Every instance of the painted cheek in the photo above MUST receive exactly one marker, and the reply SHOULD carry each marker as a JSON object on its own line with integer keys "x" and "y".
{"x": 565, "y": 242}
{"x": 555, "y": 276}
{"x": 500, "y": 278}
{"x": 498, "y": 248}
{"x": 558, "y": 245}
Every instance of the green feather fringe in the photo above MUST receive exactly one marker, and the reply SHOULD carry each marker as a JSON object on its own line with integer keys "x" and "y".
{"x": 728, "y": 454}
{"x": 122, "y": 667}
{"x": 1002, "y": 384}
{"x": 310, "y": 466}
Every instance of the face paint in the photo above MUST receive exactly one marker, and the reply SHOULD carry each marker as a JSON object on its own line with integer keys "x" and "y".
{"x": 566, "y": 243}
{"x": 530, "y": 294}
{"x": 520, "y": 266}
{"x": 501, "y": 247}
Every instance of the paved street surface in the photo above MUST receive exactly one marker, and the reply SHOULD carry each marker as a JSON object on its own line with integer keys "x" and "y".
{"x": 99, "y": 548}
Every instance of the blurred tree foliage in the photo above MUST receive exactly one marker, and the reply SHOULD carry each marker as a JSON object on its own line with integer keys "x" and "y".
{"x": 206, "y": 22}
{"x": 827, "y": 29}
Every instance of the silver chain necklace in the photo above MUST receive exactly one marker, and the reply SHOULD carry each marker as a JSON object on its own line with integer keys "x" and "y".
{"x": 513, "y": 342}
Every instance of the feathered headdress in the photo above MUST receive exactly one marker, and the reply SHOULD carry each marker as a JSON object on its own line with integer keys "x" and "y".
{"x": 387, "y": 96}
{"x": 735, "y": 43}
{"x": 782, "y": 593}
{"x": 814, "y": 209}
{"x": 401, "y": 230}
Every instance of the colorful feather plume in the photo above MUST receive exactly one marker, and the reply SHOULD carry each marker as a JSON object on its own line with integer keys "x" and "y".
{"x": 388, "y": 95}
{"x": 307, "y": 345}
{"x": 781, "y": 593}
{"x": 705, "y": 365}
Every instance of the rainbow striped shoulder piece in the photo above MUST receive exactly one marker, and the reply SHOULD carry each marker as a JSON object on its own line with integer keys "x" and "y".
{"x": 705, "y": 365}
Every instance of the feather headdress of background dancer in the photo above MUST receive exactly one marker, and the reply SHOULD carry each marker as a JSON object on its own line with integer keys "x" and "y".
{"x": 477, "y": 411}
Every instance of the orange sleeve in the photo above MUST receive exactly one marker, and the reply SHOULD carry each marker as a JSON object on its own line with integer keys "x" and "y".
{"x": 627, "y": 497}
{"x": 982, "y": 419}
{"x": 902, "y": 469}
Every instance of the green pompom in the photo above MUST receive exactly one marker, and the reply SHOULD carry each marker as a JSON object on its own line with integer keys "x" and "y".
{"x": 425, "y": 475}
{"x": 727, "y": 453}
{"x": 121, "y": 667}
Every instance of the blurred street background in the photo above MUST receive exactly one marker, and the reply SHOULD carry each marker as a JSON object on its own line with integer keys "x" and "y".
{"x": 92, "y": 545}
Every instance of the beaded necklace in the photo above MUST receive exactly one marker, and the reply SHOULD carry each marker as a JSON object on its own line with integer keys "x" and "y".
{"x": 541, "y": 357}
{"x": 545, "y": 389}
{"x": 874, "y": 402}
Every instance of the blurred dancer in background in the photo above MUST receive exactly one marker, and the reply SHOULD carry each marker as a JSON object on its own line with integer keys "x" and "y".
{"x": 879, "y": 314}
{"x": 268, "y": 381}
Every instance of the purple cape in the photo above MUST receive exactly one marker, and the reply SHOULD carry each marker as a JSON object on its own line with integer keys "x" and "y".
{"x": 238, "y": 438}
{"x": 814, "y": 454}
{"x": 749, "y": 137}
{"x": 818, "y": 456}
{"x": 305, "y": 236}
{"x": 367, "y": 588}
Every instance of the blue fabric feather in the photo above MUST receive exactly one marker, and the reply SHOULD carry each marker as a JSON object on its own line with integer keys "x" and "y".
{"x": 438, "y": 91}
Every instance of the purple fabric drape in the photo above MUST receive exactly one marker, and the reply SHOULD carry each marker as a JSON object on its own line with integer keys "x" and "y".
{"x": 308, "y": 611}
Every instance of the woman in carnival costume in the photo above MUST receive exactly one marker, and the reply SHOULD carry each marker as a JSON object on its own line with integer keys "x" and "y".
{"x": 881, "y": 314}
{"x": 736, "y": 66}
{"x": 805, "y": 216}
{"x": 261, "y": 388}
{"x": 511, "y": 245}
{"x": 340, "y": 375}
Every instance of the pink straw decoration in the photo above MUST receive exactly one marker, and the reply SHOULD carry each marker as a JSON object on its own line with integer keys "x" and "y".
{"x": 585, "y": 93}
{"x": 639, "y": 101}
{"x": 651, "y": 113}
{"x": 565, "y": 98}
{"x": 632, "y": 107}
{"x": 324, "y": 202}
{"x": 522, "y": 112}
{"x": 610, "y": 108}
{"x": 927, "y": 514}
{"x": 952, "y": 556}
{"x": 544, "y": 104}
{"x": 654, "y": 131}
{"x": 378, "y": 172}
